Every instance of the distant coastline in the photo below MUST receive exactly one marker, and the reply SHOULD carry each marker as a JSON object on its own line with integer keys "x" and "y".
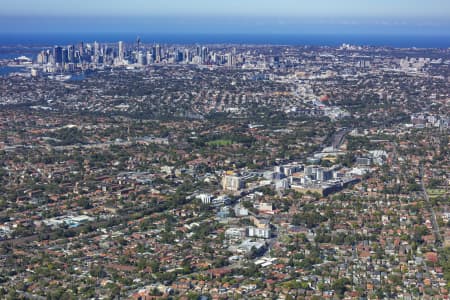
{"x": 388, "y": 40}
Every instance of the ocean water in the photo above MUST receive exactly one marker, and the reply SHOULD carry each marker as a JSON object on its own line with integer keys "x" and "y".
{"x": 5, "y": 70}
{"x": 8, "y": 55}
{"x": 35, "y": 40}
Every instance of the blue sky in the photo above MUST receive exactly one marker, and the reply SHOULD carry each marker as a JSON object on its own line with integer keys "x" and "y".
{"x": 227, "y": 16}
{"x": 333, "y": 8}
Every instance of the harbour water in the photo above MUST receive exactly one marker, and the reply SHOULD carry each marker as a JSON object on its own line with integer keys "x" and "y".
{"x": 36, "y": 41}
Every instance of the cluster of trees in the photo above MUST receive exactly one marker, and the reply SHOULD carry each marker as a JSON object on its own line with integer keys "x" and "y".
{"x": 358, "y": 143}
{"x": 68, "y": 136}
{"x": 310, "y": 219}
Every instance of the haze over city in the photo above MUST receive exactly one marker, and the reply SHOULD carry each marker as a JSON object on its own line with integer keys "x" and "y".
{"x": 224, "y": 17}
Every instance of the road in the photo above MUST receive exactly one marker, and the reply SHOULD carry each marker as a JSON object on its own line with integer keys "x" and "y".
{"x": 436, "y": 229}
{"x": 106, "y": 145}
{"x": 399, "y": 175}
{"x": 30, "y": 296}
{"x": 338, "y": 137}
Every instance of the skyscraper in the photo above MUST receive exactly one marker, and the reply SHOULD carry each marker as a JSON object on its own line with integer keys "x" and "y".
{"x": 158, "y": 53}
{"x": 138, "y": 41}
{"x": 149, "y": 57}
{"x": 96, "y": 52}
{"x": 121, "y": 51}
{"x": 187, "y": 55}
{"x": 96, "y": 48}
{"x": 81, "y": 49}
{"x": 204, "y": 54}
{"x": 230, "y": 60}
{"x": 71, "y": 53}
{"x": 57, "y": 54}
{"x": 65, "y": 56}
{"x": 140, "y": 58}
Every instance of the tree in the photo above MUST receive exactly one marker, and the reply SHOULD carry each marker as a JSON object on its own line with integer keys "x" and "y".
{"x": 114, "y": 290}
{"x": 340, "y": 286}
{"x": 84, "y": 203}
{"x": 154, "y": 265}
{"x": 309, "y": 219}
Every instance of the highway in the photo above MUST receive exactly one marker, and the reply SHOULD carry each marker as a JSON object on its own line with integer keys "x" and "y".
{"x": 338, "y": 137}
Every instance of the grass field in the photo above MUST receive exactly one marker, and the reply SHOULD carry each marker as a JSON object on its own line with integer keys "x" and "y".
{"x": 220, "y": 143}
{"x": 434, "y": 193}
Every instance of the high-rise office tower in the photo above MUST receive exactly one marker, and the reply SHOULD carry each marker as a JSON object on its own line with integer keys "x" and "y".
{"x": 187, "y": 55}
{"x": 138, "y": 42}
{"x": 230, "y": 60}
{"x": 58, "y": 55}
{"x": 71, "y": 53}
{"x": 180, "y": 56}
{"x": 121, "y": 51}
{"x": 204, "y": 54}
{"x": 65, "y": 56}
{"x": 42, "y": 58}
{"x": 96, "y": 49}
{"x": 81, "y": 49}
{"x": 149, "y": 57}
{"x": 158, "y": 53}
{"x": 140, "y": 58}
{"x": 96, "y": 52}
